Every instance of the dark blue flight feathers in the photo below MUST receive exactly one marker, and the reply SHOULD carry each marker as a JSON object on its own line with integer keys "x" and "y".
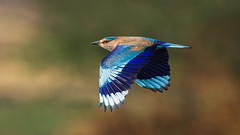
{"x": 117, "y": 80}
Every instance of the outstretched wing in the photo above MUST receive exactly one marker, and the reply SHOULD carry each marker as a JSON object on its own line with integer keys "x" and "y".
{"x": 118, "y": 70}
{"x": 155, "y": 73}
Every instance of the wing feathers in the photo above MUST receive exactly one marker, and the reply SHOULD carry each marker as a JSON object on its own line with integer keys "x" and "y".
{"x": 114, "y": 82}
{"x": 155, "y": 73}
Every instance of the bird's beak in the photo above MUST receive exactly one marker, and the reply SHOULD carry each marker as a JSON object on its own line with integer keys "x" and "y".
{"x": 95, "y": 43}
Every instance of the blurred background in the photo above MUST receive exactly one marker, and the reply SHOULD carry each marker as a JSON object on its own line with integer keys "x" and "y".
{"x": 49, "y": 70}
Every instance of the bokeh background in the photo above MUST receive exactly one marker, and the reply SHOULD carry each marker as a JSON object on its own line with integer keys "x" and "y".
{"x": 49, "y": 70}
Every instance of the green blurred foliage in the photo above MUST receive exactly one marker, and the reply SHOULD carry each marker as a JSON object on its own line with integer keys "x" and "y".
{"x": 69, "y": 27}
{"x": 55, "y": 88}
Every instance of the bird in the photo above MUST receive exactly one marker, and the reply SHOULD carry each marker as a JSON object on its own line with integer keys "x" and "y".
{"x": 132, "y": 59}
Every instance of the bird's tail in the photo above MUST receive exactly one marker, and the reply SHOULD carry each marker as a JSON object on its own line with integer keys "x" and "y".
{"x": 172, "y": 45}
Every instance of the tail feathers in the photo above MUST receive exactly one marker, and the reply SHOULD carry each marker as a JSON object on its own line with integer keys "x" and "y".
{"x": 173, "y": 45}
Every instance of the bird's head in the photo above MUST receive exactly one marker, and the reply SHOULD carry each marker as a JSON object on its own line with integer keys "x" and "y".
{"x": 108, "y": 43}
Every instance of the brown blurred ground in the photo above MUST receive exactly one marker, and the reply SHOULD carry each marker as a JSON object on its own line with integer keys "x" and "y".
{"x": 49, "y": 70}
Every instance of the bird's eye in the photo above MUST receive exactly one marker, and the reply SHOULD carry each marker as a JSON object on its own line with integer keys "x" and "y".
{"x": 105, "y": 41}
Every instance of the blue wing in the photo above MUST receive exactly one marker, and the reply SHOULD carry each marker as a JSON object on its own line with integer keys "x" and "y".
{"x": 118, "y": 70}
{"x": 155, "y": 73}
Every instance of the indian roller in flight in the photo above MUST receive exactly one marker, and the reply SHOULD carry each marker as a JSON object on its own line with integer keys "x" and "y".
{"x": 131, "y": 58}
